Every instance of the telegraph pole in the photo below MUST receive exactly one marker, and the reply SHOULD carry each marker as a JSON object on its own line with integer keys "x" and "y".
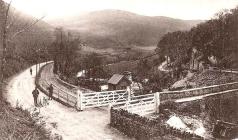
{"x": 37, "y": 56}
{"x": 36, "y": 66}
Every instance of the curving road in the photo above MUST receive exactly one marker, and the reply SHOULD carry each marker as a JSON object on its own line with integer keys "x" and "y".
{"x": 91, "y": 124}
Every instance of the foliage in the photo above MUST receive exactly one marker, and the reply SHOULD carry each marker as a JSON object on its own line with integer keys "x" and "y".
{"x": 175, "y": 45}
{"x": 216, "y": 37}
{"x": 94, "y": 66}
{"x": 17, "y": 53}
{"x": 64, "y": 52}
{"x": 142, "y": 68}
{"x": 26, "y": 48}
{"x": 17, "y": 123}
{"x": 222, "y": 107}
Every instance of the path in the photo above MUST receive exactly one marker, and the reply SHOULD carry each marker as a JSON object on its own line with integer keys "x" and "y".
{"x": 162, "y": 66}
{"x": 91, "y": 124}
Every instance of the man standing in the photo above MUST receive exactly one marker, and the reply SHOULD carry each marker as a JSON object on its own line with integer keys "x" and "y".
{"x": 31, "y": 71}
{"x": 50, "y": 91}
{"x": 35, "y": 94}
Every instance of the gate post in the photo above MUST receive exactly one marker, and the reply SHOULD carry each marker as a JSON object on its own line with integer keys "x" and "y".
{"x": 109, "y": 112}
{"x": 79, "y": 100}
{"x": 128, "y": 90}
{"x": 157, "y": 101}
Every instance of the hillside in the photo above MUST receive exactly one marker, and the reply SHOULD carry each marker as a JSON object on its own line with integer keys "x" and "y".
{"x": 115, "y": 28}
{"x": 28, "y": 46}
{"x": 18, "y": 123}
{"x": 216, "y": 38}
{"x": 208, "y": 78}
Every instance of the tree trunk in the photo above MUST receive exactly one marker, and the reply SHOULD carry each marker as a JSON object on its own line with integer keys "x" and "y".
{"x": 1, "y": 44}
{"x": 4, "y": 17}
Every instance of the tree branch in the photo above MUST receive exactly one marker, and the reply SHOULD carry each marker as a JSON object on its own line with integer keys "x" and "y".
{"x": 13, "y": 19}
{"x": 26, "y": 27}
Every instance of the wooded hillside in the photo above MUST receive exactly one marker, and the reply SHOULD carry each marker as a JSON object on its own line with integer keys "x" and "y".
{"x": 23, "y": 42}
{"x": 27, "y": 39}
{"x": 217, "y": 37}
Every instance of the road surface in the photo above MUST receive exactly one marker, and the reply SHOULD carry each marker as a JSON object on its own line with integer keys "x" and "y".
{"x": 91, "y": 124}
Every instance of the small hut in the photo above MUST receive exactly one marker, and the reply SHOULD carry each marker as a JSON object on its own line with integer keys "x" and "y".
{"x": 118, "y": 82}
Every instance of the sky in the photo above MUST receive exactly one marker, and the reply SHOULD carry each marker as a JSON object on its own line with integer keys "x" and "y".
{"x": 182, "y": 9}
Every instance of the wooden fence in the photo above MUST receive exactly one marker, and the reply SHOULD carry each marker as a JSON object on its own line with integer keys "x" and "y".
{"x": 122, "y": 99}
{"x": 98, "y": 99}
{"x": 59, "y": 94}
{"x": 172, "y": 95}
{"x": 142, "y": 104}
{"x": 146, "y": 104}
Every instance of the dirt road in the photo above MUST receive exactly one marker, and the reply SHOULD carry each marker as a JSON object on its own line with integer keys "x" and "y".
{"x": 90, "y": 124}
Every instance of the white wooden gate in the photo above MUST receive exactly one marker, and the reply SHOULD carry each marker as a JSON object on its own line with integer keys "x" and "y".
{"x": 142, "y": 105}
{"x": 120, "y": 99}
{"x": 98, "y": 99}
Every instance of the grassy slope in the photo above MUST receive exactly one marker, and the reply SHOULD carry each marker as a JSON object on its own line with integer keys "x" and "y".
{"x": 16, "y": 123}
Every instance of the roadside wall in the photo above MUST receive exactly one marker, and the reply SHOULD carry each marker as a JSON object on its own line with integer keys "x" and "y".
{"x": 143, "y": 128}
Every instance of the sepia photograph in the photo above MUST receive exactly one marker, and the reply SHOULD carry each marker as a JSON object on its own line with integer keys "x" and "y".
{"x": 118, "y": 69}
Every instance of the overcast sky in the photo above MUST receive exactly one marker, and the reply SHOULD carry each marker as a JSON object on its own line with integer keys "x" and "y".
{"x": 183, "y": 9}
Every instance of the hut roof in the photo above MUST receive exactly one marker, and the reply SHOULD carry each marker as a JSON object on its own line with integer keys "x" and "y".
{"x": 115, "y": 79}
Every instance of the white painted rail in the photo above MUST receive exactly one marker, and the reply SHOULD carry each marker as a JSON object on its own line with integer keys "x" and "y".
{"x": 142, "y": 104}
{"x": 97, "y": 99}
{"x": 171, "y": 95}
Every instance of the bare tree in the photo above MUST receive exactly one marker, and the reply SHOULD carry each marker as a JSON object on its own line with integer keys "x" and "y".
{"x": 5, "y": 37}
{"x": 4, "y": 13}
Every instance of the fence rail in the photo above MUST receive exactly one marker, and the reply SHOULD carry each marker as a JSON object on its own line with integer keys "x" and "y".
{"x": 60, "y": 94}
{"x": 170, "y": 95}
{"x": 44, "y": 81}
{"x": 105, "y": 98}
{"x": 142, "y": 105}
{"x": 123, "y": 98}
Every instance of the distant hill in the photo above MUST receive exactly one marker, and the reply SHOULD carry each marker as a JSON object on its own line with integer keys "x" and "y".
{"x": 116, "y": 28}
